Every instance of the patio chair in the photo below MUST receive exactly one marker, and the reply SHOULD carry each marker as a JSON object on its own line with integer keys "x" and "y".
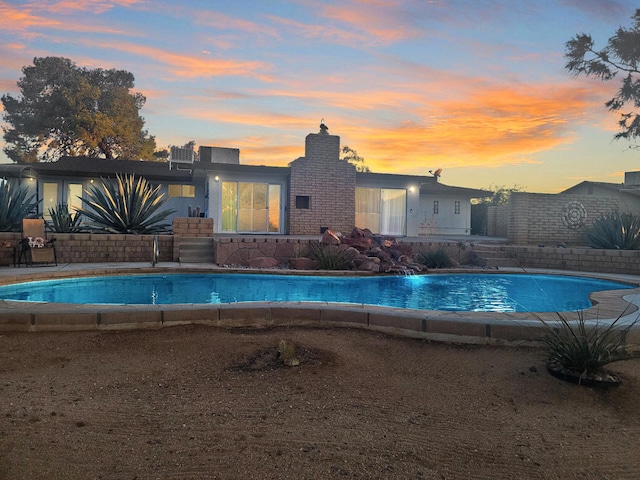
{"x": 34, "y": 246}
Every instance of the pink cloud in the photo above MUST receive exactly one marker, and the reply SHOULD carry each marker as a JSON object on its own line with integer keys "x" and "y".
{"x": 190, "y": 66}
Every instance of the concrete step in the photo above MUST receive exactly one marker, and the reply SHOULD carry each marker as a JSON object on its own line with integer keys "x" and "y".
{"x": 196, "y": 250}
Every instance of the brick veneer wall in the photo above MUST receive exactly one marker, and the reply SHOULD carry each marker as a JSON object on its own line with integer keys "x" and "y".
{"x": 95, "y": 248}
{"x": 329, "y": 182}
{"x": 535, "y": 218}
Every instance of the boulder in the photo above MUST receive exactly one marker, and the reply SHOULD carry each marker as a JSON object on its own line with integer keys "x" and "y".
{"x": 369, "y": 266}
{"x": 330, "y": 238}
{"x": 361, "y": 243}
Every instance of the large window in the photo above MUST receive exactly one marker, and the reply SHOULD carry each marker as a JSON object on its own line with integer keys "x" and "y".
{"x": 382, "y": 210}
{"x": 184, "y": 191}
{"x": 250, "y": 207}
{"x": 49, "y": 198}
{"x": 74, "y": 194}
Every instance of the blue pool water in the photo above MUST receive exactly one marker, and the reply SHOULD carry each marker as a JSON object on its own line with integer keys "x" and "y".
{"x": 453, "y": 292}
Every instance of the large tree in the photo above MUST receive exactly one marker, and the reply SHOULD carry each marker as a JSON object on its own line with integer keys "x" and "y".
{"x": 67, "y": 110}
{"x": 621, "y": 57}
{"x": 351, "y": 156}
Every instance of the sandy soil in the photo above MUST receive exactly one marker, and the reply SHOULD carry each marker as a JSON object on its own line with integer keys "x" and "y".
{"x": 198, "y": 402}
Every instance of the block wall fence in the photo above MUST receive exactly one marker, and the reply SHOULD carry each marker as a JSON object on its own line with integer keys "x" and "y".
{"x": 537, "y": 218}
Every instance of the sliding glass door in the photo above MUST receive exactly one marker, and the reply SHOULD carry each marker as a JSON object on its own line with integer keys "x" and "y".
{"x": 382, "y": 210}
{"x": 249, "y": 207}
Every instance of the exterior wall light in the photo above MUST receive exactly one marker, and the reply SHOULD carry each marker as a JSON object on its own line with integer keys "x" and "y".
{"x": 216, "y": 178}
{"x": 412, "y": 189}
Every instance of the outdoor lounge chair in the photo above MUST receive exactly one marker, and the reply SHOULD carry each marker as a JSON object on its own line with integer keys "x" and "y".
{"x": 34, "y": 246}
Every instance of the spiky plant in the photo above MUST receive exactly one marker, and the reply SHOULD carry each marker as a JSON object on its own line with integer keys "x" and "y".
{"x": 615, "y": 231}
{"x": 330, "y": 257}
{"x": 15, "y": 204}
{"x": 583, "y": 349}
{"x": 132, "y": 205}
{"x": 435, "y": 257}
{"x": 62, "y": 221}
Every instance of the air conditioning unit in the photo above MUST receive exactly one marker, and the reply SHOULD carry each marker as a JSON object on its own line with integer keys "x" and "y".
{"x": 180, "y": 156}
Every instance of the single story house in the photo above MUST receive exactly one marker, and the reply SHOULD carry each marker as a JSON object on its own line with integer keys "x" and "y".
{"x": 313, "y": 193}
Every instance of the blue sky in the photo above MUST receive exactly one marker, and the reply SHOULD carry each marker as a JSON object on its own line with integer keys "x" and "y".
{"x": 477, "y": 88}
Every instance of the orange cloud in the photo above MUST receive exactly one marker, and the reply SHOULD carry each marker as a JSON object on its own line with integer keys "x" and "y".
{"x": 411, "y": 130}
{"x": 23, "y": 18}
{"x": 190, "y": 66}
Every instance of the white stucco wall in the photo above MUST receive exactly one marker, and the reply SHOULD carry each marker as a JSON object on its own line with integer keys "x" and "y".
{"x": 446, "y": 222}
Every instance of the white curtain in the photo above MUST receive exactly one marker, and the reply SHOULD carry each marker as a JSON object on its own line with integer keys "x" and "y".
{"x": 393, "y": 215}
{"x": 368, "y": 208}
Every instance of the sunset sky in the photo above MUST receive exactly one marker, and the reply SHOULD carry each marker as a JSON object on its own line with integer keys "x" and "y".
{"x": 475, "y": 87}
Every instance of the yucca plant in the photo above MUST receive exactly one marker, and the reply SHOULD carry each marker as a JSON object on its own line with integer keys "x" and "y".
{"x": 330, "y": 257}
{"x": 581, "y": 349}
{"x": 615, "y": 230}
{"x": 132, "y": 205}
{"x": 62, "y": 221}
{"x": 435, "y": 257}
{"x": 15, "y": 204}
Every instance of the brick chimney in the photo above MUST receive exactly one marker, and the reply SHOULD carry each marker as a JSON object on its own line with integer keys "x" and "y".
{"x": 322, "y": 187}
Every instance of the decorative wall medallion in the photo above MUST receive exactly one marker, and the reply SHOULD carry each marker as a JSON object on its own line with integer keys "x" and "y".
{"x": 574, "y": 215}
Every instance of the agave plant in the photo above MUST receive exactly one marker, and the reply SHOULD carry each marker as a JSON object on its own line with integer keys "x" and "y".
{"x": 132, "y": 205}
{"x": 436, "y": 257}
{"x": 615, "y": 230}
{"x": 582, "y": 349}
{"x": 330, "y": 257}
{"x": 64, "y": 222}
{"x": 15, "y": 204}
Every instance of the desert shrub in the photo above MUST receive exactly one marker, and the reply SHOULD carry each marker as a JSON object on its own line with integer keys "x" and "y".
{"x": 330, "y": 257}
{"x": 615, "y": 231}
{"x": 583, "y": 349}
{"x": 435, "y": 257}
{"x": 62, "y": 221}
{"x": 287, "y": 354}
{"x": 15, "y": 204}
{"x": 130, "y": 206}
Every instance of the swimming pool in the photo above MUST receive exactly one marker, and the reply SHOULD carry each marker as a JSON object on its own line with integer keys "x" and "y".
{"x": 445, "y": 292}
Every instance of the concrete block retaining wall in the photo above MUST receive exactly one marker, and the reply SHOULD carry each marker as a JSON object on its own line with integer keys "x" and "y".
{"x": 97, "y": 248}
{"x": 576, "y": 259}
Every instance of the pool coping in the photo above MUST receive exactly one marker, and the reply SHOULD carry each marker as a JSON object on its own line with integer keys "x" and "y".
{"x": 458, "y": 327}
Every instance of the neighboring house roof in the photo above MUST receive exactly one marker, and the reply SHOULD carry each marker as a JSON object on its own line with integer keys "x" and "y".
{"x": 578, "y": 188}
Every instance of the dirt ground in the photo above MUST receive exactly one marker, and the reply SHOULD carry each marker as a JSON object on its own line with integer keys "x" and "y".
{"x": 200, "y": 402}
